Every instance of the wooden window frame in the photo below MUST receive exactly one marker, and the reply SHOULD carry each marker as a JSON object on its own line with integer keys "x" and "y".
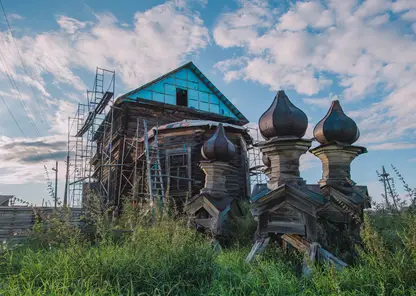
{"x": 179, "y": 151}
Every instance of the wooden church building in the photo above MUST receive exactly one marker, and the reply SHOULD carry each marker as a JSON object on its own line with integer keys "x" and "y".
{"x": 182, "y": 109}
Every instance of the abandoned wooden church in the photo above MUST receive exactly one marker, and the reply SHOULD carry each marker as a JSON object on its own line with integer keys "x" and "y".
{"x": 148, "y": 146}
{"x": 179, "y": 139}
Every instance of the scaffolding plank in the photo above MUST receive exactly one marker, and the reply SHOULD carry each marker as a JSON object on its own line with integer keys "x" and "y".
{"x": 103, "y": 102}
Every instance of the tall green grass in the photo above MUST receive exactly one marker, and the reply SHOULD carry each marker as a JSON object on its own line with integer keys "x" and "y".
{"x": 162, "y": 256}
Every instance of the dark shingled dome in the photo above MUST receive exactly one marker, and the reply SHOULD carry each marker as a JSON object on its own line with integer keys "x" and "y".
{"x": 336, "y": 126}
{"x": 283, "y": 119}
{"x": 218, "y": 147}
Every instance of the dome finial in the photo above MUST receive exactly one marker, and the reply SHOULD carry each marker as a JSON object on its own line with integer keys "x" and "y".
{"x": 218, "y": 147}
{"x": 283, "y": 119}
{"x": 336, "y": 126}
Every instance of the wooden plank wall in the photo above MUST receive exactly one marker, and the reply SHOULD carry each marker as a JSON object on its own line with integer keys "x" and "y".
{"x": 195, "y": 138}
{"x": 125, "y": 124}
{"x": 16, "y": 221}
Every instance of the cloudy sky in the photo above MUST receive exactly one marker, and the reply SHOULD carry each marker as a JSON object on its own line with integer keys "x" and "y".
{"x": 360, "y": 52}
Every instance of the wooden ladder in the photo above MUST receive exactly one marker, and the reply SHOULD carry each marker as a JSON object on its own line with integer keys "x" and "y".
{"x": 153, "y": 165}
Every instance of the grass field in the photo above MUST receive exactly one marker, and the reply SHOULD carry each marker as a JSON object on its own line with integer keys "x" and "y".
{"x": 168, "y": 258}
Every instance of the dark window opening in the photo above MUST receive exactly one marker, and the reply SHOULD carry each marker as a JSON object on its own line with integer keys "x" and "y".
{"x": 178, "y": 170}
{"x": 182, "y": 97}
{"x": 202, "y": 214}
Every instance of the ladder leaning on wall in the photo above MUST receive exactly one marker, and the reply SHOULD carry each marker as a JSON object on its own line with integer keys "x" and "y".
{"x": 153, "y": 166}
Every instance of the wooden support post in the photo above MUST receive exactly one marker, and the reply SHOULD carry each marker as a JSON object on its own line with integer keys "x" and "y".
{"x": 259, "y": 246}
{"x": 304, "y": 246}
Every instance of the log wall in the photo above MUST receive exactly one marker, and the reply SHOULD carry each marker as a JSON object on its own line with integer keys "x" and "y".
{"x": 125, "y": 126}
{"x": 194, "y": 138}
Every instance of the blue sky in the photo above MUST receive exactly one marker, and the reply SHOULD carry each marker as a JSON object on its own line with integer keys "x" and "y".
{"x": 360, "y": 52}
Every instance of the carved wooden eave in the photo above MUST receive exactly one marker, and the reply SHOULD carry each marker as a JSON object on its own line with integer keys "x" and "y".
{"x": 217, "y": 209}
{"x": 356, "y": 194}
{"x": 333, "y": 213}
{"x": 332, "y": 193}
{"x": 351, "y": 207}
{"x": 296, "y": 197}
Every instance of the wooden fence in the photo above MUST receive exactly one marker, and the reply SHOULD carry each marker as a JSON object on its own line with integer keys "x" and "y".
{"x": 15, "y": 222}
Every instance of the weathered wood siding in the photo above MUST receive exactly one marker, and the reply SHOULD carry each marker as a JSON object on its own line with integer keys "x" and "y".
{"x": 16, "y": 221}
{"x": 194, "y": 138}
{"x": 125, "y": 126}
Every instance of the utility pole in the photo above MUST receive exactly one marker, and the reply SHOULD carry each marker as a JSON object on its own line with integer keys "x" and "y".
{"x": 387, "y": 188}
{"x": 56, "y": 183}
{"x": 384, "y": 177}
{"x": 66, "y": 182}
{"x": 67, "y": 167}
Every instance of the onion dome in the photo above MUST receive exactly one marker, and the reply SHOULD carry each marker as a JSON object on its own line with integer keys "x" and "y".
{"x": 336, "y": 126}
{"x": 283, "y": 119}
{"x": 218, "y": 147}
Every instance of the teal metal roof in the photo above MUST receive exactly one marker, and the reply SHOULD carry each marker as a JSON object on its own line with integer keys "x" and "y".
{"x": 202, "y": 77}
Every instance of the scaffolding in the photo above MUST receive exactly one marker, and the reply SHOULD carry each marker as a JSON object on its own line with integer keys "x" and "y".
{"x": 143, "y": 172}
{"x": 118, "y": 164}
{"x": 256, "y": 166}
{"x": 82, "y": 131}
{"x": 133, "y": 167}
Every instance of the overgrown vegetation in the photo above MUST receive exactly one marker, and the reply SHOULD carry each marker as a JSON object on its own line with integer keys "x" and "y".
{"x": 147, "y": 252}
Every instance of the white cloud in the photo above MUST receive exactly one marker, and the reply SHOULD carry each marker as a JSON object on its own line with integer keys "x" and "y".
{"x": 319, "y": 102}
{"x": 393, "y": 146}
{"x": 14, "y": 17}
{"x": 373, "y": 7}
{"x": 323, "y": 103}
{"x": 402, "y": 5}
{"x": 379, "y": 20}
{"x": 22, "y": 160}
{"x": 70, "y": 25}
{"x": 367, "y": 60}
{"x": 304, "y": 14}
{"x": 12, "y": 93}
{"x": 159, "y": 39}
{"x": 237, "y": 28}
{"x": 308, "y": 161}
{"x": 309, "y": 131}
{"x": 409, "y": 15}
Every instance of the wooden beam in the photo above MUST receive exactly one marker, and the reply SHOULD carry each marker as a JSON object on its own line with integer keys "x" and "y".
{"x": 299, "y": 243}
{"x": 286, "y": 227}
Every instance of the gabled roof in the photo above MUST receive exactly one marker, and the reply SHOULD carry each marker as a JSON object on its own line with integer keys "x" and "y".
{"x": 267, "y": 200}
{"x": 265, "y": 193}
{"x": 202, "y": 77}
{"x": 217, "y": 205}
